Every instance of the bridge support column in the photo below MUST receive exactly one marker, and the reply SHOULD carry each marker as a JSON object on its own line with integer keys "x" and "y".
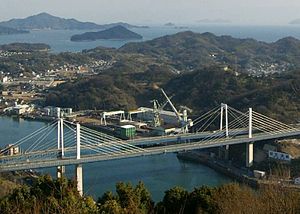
{"x": 79, "y": 178}
{"x": 249, "y": 154}
{"x": 249, "y": 146}
{"x": 223, "y": 152}
{"x": 226, "y": 152}
{"x": 224, "y": 107}
{"x": 78, "y": 167}
{"x": 60, "y": 170}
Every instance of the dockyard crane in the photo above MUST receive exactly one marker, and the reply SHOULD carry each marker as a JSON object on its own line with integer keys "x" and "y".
{"x": 182, "y": 118}
{"x": 157, "y": 108}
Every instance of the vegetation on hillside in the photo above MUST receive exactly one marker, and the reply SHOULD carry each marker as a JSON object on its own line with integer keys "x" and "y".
{"x": 277, "y": 96}
{"x": 60, "y": 196}
{"x": 187, "y": 51}
{"x": 200, "y": 90}
{"x": 199, "y": 69}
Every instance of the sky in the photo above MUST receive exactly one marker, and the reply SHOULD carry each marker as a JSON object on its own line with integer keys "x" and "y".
{"x": 246, "y": 12}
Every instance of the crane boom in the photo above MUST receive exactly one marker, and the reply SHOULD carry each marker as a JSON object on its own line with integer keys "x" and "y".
{"x": 171, "y": 104}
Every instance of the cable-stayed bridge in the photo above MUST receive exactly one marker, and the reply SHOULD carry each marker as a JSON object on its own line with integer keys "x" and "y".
{"x": 62, "y": 143}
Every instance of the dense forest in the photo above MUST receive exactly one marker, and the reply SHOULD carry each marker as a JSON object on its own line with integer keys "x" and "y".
{"x": 60, "y": 196}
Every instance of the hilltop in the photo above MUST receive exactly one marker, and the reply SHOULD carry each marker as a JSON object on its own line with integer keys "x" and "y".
{"x": 186, "y": 51}
{"x": 47, "y": 21}
{"x": 117, "y": 32}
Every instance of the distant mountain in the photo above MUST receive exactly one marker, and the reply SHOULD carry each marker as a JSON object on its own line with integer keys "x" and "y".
{"x": 295, "y": 22}
{"x": 8, "y": 30}
{"x": 47, "y": 21}
{"x": 117, "y": 32}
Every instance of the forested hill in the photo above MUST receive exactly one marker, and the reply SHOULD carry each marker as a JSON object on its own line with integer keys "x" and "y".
{"x": 200, "y": 90}
{"x": 276, "y": 96}
{"x": 117, "y": 32}
{"x": 48, "y": 21}
{"x": 188, "y": 51}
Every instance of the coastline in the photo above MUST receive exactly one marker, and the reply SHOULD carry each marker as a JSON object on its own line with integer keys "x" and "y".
{"x": 234, "y": 173}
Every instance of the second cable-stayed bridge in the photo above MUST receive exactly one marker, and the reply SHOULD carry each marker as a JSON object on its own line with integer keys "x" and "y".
{"x": 64, "y": 143}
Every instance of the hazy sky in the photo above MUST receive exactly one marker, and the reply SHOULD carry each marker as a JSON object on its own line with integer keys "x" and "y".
{"x": 264, "y": 12}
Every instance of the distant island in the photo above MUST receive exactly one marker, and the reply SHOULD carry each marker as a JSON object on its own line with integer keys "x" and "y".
{"x": 181, "y": 27}
{"x": 25, "y": 47}
{"x": 46, "y": 21}
{"x": 295, "y": 22}
{"x": 117, "y": 32}
{"x": 213, "y": 21}
{"x": 169, "y": 24}
{"x": 8, "y": 31}
{"x": 126, "y": 25}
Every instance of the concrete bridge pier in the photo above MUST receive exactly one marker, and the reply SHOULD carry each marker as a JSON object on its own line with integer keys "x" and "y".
{"x": 226, "y": 152}
{"x": 60, "y": 171}
{"x": 249, "y": 154}
{"x": 79, "y": 178}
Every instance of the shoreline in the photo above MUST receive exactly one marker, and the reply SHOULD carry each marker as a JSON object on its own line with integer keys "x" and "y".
{"x": 231, "y": 172}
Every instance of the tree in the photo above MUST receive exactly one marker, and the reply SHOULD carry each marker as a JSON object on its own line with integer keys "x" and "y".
{"x": 128, "y": 199}
{"x": 174, "y": 200}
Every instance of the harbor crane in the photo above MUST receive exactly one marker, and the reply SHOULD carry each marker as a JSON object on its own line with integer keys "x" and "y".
{"x": 185, "y": 123}
{"x": 157, "y": 108}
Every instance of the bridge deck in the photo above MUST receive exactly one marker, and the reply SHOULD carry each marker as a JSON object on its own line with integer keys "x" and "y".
{"x": 145, "y": 152}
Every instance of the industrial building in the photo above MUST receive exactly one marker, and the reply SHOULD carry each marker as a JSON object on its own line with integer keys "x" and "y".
{"x": 57, "y": 112}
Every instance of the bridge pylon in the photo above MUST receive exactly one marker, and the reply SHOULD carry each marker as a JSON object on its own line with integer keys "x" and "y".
{"x": 78, "y": 167}
{"x": 224, "y": 107}
{"x": 60, "y": 171}
{"x": 249, "y": 146}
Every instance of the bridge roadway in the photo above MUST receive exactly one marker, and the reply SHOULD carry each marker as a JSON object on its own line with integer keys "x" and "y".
{"x": 181, "y": 137}
{"x": 146, "y": 152}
